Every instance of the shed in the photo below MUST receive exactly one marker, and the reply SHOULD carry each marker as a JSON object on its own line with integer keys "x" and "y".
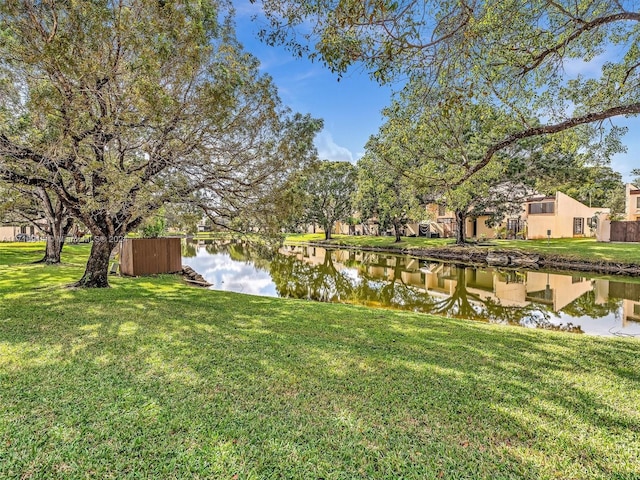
{"x": 150, "y": 256}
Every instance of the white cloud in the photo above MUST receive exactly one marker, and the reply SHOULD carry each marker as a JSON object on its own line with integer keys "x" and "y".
{"x": 245, "y": 8}
{"x": 590, "y": 69}
{"x": 311, "y": 73}
{"x": 329, "y": 150}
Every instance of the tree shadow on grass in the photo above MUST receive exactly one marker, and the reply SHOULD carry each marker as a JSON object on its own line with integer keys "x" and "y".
{"x": 153, "y": 376}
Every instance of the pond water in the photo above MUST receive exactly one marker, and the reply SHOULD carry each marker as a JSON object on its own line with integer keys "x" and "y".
{"x": 575, "y": 302}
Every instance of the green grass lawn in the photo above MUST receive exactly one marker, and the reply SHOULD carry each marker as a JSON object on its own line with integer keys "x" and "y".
{"x": 156, "y": 379}
{"x": 584, "y": 248}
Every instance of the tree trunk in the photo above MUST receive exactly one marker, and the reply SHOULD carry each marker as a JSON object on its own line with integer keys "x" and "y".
{"x": 59, "y": 223}
{"x": 460, "y": 220}
{"x": 52, "y": 250}
{"x": 56, "y": 235}
{"x": 396, "y": 230}
{"x": 327, "y": 234}
{"x": 97, "y": 270}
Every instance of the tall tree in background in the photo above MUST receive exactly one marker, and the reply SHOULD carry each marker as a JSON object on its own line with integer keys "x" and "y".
{"x": 328, "y": 188}
{"x": 514, "y": 54}
{"x": 265, "y": 208}
{"x": 383, "y": 191}
{"x": 434, "y": 148}
{"x": 41, "y": 209}
{"x": 118, "y": 107}
{"x": 593, "y": 185}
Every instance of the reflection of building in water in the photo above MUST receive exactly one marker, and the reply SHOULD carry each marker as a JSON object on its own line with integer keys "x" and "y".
{"x": 630, "y": 311}
{"x": 317, "y": 256}
{"x": 629, "y": 293}
{"x": 557, "y": 291}
{"x": 508, "y": 288}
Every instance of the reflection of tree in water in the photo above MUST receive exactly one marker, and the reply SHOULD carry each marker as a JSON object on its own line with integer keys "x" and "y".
{"x": 380, "y": 282}
{"x": 586, "y": 305}
{"x": 299, "y": 279}
{"x": 463, "y": 303}
{"x": 188, "y": 248}
{"x": 246, "y": 252}
{"x": 385, "y": 292}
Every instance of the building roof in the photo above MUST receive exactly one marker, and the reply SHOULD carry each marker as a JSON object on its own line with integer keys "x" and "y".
{"x": 539, "y": 199}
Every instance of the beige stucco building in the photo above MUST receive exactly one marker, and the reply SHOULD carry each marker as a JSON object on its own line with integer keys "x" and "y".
{"x": 560, "y": 216}
{"x": 443, "y": 225}
{"x": 10, "y": 232}
{"x": 632, "y": 203}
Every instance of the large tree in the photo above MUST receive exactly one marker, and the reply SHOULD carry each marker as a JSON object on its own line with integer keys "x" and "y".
{"x": 436, "y": 147}
{"x": 524, "y": 56}
{"x": 383, "y": 191}
{"x": 118, "y": 107}
{"x": 41, "y": 209}
{"x": 593, "y": 185}
{"x": 327, "y": 193}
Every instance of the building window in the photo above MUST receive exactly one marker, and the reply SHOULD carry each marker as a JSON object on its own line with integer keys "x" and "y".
{"x": 515, "y": 225}
{"x": 578, "y": 226}
{"x": 442, "y": 210}
{"x": 592, "y": 222}
{"x": 638, "y": 202}
{"x": 541, "y": 207}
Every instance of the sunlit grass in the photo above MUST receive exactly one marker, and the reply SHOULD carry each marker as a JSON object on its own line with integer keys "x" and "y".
{"x": 587, "y": 248}
{"x": 156, "y": 379}
{"x": 370, "y": 241}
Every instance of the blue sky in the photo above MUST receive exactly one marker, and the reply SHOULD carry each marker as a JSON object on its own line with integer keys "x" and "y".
{"x": 351, "y": 107}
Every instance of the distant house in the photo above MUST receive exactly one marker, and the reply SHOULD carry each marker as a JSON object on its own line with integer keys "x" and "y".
{"x": 14, "y": 231}
{"x": 204, "y": 225}
{"x": 444, "y": 224}
{"x": 8, "y": 232}
{"x": 632, "y": 203}
{"x": 560, "y": 216}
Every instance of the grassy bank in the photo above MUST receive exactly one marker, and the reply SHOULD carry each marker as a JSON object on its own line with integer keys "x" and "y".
{"x": 576, "y": 248}
{"x": 153, "y": 378}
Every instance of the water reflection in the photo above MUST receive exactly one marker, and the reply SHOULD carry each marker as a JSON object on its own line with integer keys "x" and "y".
{"x": 230, "y": 266}
{"x": 574, "y": 303}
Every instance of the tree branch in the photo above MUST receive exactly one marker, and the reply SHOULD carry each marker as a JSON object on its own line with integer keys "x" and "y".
{"x": 586, "y": 26}
{"x": 631, "y": 109}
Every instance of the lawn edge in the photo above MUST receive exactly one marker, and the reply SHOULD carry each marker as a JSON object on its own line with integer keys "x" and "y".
{"x": 472, "y": 255}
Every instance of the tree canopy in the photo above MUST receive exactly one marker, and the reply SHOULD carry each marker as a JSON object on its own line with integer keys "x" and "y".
{"x": 120, "y": 107}
{"x": 327, "y": 190}
{"x": 526, "y": 57}
{"x": 434, "y": 148}
{"x": 384, "y": 192}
